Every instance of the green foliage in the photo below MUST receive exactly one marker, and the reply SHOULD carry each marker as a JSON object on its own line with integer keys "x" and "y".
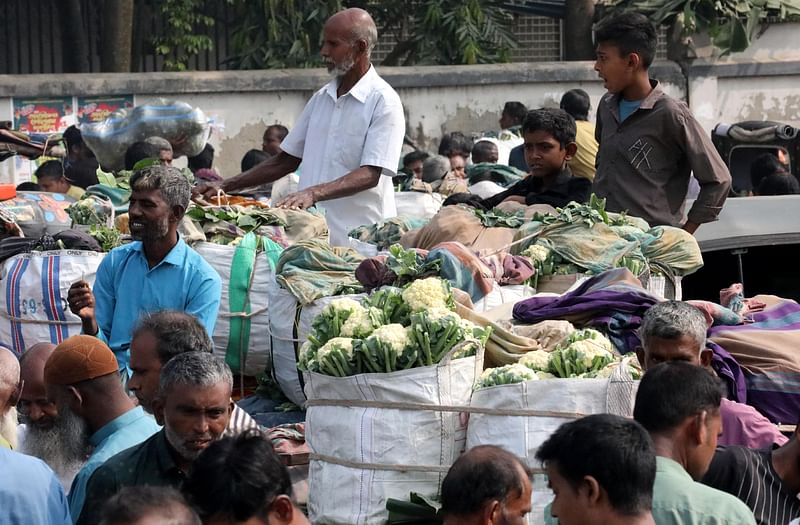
{"x": 185, "y": 35}
{"x": 731, "y": 24}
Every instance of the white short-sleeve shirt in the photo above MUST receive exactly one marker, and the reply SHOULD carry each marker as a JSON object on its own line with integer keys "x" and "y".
{"x": 334, "y": 136}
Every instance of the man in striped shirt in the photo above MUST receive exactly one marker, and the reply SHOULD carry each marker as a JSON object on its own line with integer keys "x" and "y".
{"x": 158, "y": 338}
{"x": 767, "y": 480}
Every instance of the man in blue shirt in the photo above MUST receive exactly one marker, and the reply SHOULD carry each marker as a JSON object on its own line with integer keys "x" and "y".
{"x": 94, "y": 412}
{"x": 30, "y": 492}
{"x": 156, "y": 272}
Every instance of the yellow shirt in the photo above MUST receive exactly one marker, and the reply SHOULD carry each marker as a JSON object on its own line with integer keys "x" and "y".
{"x": 582, "y": 165}
{"x": 76, "y": 192}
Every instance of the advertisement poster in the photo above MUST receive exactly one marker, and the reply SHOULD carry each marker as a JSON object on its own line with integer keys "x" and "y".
{"x": 97, "y": 109}
{"x": 43, "y": 115}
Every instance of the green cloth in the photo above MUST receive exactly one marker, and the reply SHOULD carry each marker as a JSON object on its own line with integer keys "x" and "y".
{"x": 679, "y": 500}
{"x": 500, "y": 173}
{"x": 597, "y": 248}
{"x": 673, "y": 247}
{"x": 313, "y": 269}
{"x": 149, "y": 463}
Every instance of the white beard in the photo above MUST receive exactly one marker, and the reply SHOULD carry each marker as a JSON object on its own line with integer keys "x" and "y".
{"x": 8, "y": 427}
{"x": 340, "y": 70}
{"x": 64, "y": 447}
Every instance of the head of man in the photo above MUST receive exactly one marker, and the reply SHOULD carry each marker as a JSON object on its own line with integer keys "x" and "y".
{"x": 203, "y": 160}
{"x": 76, "y": 148}
{"x": 435, "y": 168}
{"x": 577, "y": 103}
{"x": 488, "y": 486}
{"x": 148, "y": 505}
{"x": 458, "y": 166}
{"x": 485, "y": 151}
{"x": 241, "y": 480}
{"x": 273, "y": 136}
{"x": 157, "y": 338}
{"x": 193, "y": 402}
{"x": 51, "y": 177}
{"x": 455, "y": 143}
{"x": 678, "y": 404}
{"x": 163, "y": 147}
{"x": 348, "y": 38}
{"x": 159, "y": 198}
{"x": 139, "y": 151}
{"x": 549, "y": 136}
{"x": 82, "y": 380}
{"x": 412, "y": 162}
{"x": 10, "y": 389}
{"x": 673, "y": 331}
{"x": 601, "y": 469}
{"x": 513, "y": 114}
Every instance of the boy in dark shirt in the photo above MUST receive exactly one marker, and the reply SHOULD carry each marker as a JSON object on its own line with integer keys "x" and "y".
{"x": 649, "y": 142}
{"x": 549, "y": 136}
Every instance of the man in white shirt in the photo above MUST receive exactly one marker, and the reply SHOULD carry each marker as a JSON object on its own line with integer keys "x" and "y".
{"x": 348, "y": 137}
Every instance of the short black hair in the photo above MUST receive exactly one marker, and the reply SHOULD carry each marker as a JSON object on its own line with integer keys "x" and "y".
{"x": 482, "y": 474}
{"x": 280, "y": 128}
{"x": 470, "y": 199}
{"x": 631, "y": 32}
{"x": 52, "y": 169}
{"x": 253, "y": 157}
{"x": 177, "y": 332}
{"x": 614, "y": 450}
{"x": 202, "y": 160}
{"x": 237, "y": 477}
{"x": 556, "y": 122}
{"x": 577, "y": 103}
{"x": 673, "y": 391}
{"x": 131, "y": 504}
{"x": 139, "y": 151}
{"x": 779, "y": 183}
{"x": 414, "y": 156}
{"x": 28, "y": 186}
{"x": 74, "y": 139}
{"x": 482, "y": 149}
{"x": 455, "y": 143}
{"x": 762, "y": 166}
{"x": 515, "y": 110}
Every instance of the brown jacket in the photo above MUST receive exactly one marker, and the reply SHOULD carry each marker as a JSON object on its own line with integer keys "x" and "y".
{"x": 644, "y": 163}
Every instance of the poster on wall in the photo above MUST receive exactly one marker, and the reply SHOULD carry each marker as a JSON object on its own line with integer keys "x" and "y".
{"x": 97, "y": 109}
{"x": 49, "y": 115}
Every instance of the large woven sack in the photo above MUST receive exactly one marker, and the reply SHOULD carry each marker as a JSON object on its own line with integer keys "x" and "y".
{"x": 34, "y": 306}
{"x": 289, "y": 326}
{"x": 417, "y": 204}
{"x": 380, "y": 436}
{"x": 241, "y": 332}
{"x": 520, "y": 417}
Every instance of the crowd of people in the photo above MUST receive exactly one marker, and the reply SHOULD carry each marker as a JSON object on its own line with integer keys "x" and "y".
{"x": 133, "y": 421}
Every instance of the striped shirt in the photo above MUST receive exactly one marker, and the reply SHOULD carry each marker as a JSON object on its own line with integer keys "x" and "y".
{"x": 749, "y": 475}
{"x": 240, "y": 421}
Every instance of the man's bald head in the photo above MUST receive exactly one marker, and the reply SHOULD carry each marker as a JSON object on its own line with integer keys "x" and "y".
{"x": 9, "y": 378}
{"x": 358, "y": 24}
{"x": 37, "y": 354}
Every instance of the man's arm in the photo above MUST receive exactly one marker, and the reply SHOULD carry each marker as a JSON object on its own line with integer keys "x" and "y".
{"x": 709, "y": 170}
{"x": 270, "y": 170}
{"x": 356, "y": 181}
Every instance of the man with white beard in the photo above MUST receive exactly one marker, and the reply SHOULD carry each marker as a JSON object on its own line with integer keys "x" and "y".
{"x": 9, "y": 395}
{"x": 60, "y": 442}
{"x": 348, "y": 137}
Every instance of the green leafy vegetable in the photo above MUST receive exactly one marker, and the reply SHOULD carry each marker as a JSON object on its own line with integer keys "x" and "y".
{"x": 497, "y": 218}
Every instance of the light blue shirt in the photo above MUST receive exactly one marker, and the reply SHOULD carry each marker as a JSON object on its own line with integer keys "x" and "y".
{"x": 124, "y": 432}
{"x": 627, "y": 107}
{"x": 126, "y": 287}
{"x": 30, "y": 492}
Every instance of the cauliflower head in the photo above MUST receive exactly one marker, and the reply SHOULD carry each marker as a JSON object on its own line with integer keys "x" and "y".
{"x": 538, "y": 361}
{"x": 343, "y": 344}
{"x": 396, "y": 336}
{"x": 361, "y": 323}
{"x": 505, "y": 375}
{"x": 426, "y": 294}
{"x": 536, "y": 253}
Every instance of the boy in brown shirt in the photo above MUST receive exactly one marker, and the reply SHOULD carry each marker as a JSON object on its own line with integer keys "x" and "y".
{"x": 650, "y": 143}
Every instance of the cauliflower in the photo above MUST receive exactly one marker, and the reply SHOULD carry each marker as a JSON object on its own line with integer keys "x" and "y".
{"x": 425, "y": 294}
{"x": 393, "y": 335}
{"x": 537, "y": 253}
{"x": 337, "y": 357}
{"x": 388, "y": 349}
{"x": 583, "y": 351}
{"x": 331, "y": 320}
{"x": 538, "y": 360}
{"x": 361, "y": 323}
{"x": 307, "y": 358}
{"x": 505, "y": 375}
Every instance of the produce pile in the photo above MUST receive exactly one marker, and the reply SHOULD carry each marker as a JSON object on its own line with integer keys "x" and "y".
{"x": 497, "y": 218}
{"x": 228, "y": 224}
{"x": 392, "y": 329}
{"x": 585, "y": 354}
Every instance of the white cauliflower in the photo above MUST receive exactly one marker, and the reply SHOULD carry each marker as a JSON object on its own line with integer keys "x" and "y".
{"x": 538, "y": 360}
{"x": 306, "y": 360}
{"x": 336, "y": 357}
{"x": 425, "y": 294}
{"x": 587, "y": 350}
{"x": 396, "y": 336}
{"x": 505, "y": 375}
{"x": 344, "y": 304}
{"x": 361, "y": 323}
{"x": 545, "y": 375}
{"x": 537, "y": 253}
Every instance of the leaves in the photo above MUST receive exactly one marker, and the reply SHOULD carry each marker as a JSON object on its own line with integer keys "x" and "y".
{"x": 497, "y": 218}
{"x": 185, "y": 32}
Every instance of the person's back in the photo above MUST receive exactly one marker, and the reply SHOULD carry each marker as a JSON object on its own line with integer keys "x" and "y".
{"x": 649, "y": 143}
{"x": 678, "y": 404}
{"x": 29, "y": 492}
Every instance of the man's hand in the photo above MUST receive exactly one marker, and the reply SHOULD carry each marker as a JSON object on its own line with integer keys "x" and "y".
{"x": 207, "y": 190}
{"x": 300, "y": 200}
{"x": 81, "y": 303}
{"x": 691, "y": 227}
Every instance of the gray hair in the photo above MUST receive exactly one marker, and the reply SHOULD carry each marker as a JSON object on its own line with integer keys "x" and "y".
{"x": 197, "y": 369}
{"x": 176, "y": 332}
{"x": 366, "y": 32}
{"x": 173, "y": 184}
{"x": 159, "y": 142}
{"x": 671, "y": 320}
{"x": 435, "y": 168}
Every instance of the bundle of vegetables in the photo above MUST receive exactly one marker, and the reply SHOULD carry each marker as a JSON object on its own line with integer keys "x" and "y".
{"x": 408, "y": 265}
{"x": 393, "y": 329}
{"x": 225, "y": 225}
{"x": 497, "y": 218}
{"x": 90, "y": 211}
{"x": 590, "y": 214}
{"x": 585, "y": 354}
{"x": 109, "y": 238}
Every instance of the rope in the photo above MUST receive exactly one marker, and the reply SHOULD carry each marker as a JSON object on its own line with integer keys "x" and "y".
{"x": 37, "y": 321}
{"x": 392, "y": 467}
